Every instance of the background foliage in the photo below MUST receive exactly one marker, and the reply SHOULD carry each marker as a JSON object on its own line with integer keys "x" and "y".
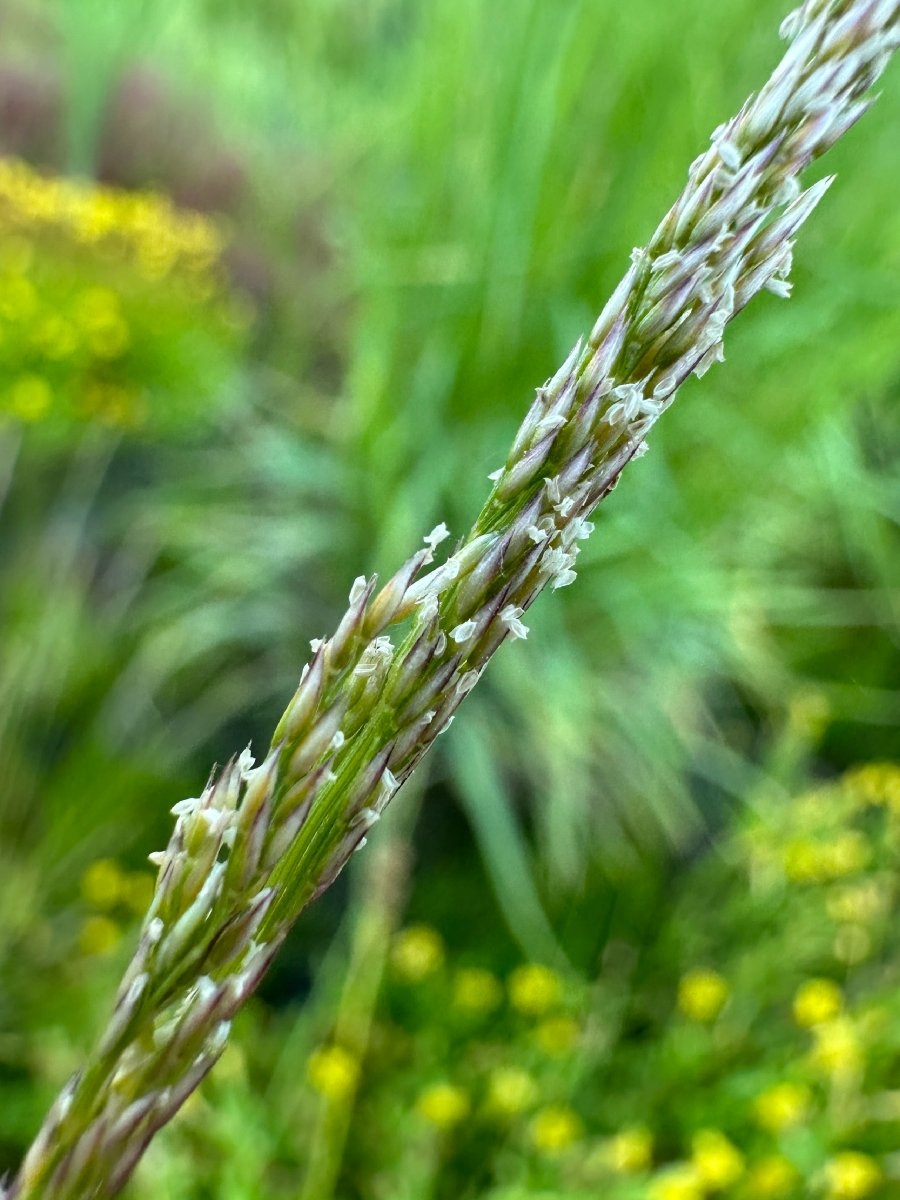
{"x": 277, "y": 282}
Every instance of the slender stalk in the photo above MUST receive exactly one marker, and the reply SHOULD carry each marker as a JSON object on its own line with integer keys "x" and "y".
{"x": 261, "y": 842}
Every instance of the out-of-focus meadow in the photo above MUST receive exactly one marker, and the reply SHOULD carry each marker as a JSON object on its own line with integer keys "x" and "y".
{"x": 277, "y": 281}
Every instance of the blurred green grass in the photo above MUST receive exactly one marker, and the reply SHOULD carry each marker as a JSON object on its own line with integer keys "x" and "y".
{"x": 431, "y": 203}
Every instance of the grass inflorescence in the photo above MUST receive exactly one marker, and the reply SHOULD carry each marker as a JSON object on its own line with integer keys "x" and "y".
{"x": 261, "y": 842}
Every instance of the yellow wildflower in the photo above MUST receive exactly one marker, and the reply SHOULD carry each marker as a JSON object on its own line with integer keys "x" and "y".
{"x": 803, "y": 861}
{"x": 30, "y": 397}
{"x": 93, "y": 219}
{"x": 810, "y": 807}
{"x": 534, "y": 989}
{"x": 808, "y": 861}
{"x": 417, "y": 952}
{"x": 772, "y": 1178}
{"x": 876, "y": 783}
{"x": 702, "y": 994}
{"x": 511, "y": 1091}
{"x": 99, "y": 936}
{"x": 851, "y": 1175}
{"x": 102, "y": 883}
{"x": 476, "y": 990}
{"x": 555, "y": 1128}
{"x": 98, "y": 314}
{"x": 837, "y": 1049}
{"x": 157, "y": 254}
{"x": 630, "y": 1150}
{"x": 333, "y": 1072}
{"x": 816, "y": 1001}
{"x": 678, "y": 1182}
{"x": 782, "y": 1105}
{"x": 849, "y": 852}
{"x": 143, "y": 225}
{"x": 717, "y": 1160}
{"x": 444, "y": 1105}
{"x": 557, "y": 1035}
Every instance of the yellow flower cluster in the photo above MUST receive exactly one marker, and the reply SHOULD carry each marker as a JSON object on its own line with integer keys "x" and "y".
{"x": 782, "y": 1106}
{"x": 108, "y": 889}
{"x": 557, "y": 1036}
{"x": 555, "y": 1128}
{"x": 818, "y": 861}
{"x": 333, "y": 1072}
{"x": 679, "y": 1181}
{"x": 858, "y": 903}
{"x": 99, "y": 935}
{"x": 786, "y": 1128}
{"x": 143, "y": 227}
{"x": 715, "y": 1165}
{"x": 534, "y": 989}
{"x": 443, "y": 1105}
{"x": 817, "y": 1001}
{"x": 716, "y": 1160}
{"x": 106, "y": 886}
{"x": 852, "y": 1176}
{"x": 417, "y": 952}
{"x": 29, "y": 397}
{"x": 98, "y": 288}
{"x": 630, "y": 1150}
{"x": 511, "y": 1091}
{"x": 772, "y": 1178}
{"x": 702, "y": 994}
{"x": 875, "y": 783}
{"x": 476, "y": 991}
{"x": 837, "y": 1049}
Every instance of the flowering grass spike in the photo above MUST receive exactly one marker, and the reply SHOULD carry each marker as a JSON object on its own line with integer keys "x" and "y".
{"x": 261, "y": 842}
